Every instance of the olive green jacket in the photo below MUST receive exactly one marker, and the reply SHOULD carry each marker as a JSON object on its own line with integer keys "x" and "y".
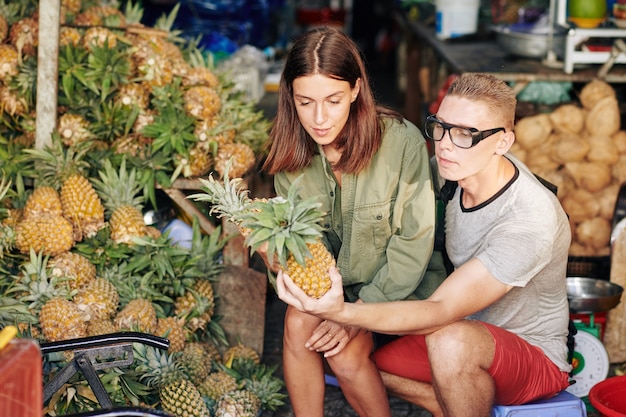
{"x": 380, "y": 223}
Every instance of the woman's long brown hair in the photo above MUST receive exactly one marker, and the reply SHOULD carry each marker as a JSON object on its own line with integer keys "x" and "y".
{"x": 327, "y": 51}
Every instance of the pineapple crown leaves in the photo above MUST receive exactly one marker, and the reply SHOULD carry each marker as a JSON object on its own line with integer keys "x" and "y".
{"x": 286, "y": 224}
{"x": 266, "y": 386}
{"x": 166, "y": 23}
{"x": 133, "y": 13}
{"x": 106, "y": 69}
{"x": 13, "y": 311}
{"x": 228, "y": 197}
{"x": 157, "y": 367}
{"x": 118, "y": 186}
{"x": 172, "y": 131}
{"x": 55, "y": 162}
{"x": 36, "y": 284}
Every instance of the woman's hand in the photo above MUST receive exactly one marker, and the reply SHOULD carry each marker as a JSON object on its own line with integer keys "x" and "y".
{"x": 330, "y": 337}
{"x": 326, "y": 307}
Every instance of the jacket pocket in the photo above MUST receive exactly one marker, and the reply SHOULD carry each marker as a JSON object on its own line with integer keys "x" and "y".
{"x": 373, "y": 227}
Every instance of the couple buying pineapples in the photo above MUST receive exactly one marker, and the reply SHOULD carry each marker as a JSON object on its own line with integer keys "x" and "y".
{"x": 356, "y": 176}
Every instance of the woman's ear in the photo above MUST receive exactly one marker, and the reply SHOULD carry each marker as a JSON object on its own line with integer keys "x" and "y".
{"x": 355, "y": 90}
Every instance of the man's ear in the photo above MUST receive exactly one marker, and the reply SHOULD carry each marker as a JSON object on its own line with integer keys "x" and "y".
{"x": 506, "y": 141}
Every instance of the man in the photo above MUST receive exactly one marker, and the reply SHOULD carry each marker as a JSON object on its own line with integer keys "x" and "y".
{"x": 496, "y": 330}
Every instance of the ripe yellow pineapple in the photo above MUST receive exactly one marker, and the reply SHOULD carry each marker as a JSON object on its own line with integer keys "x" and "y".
{"x": 24, "y": 35}
{"x": 74, "y": 266}
{"x": 200, "y": 76}
{"x": 202, "y": 102}
{"x": 12, "y": 102}
{"x": 72, "y": 6}
{"x": 242, "y": 156}
{"x": 99, "y": 299}
{"x": 133, "y": 94}
{"x": 61, "y": 319}
{"x": 4, "y": 28}
{"x": 120, "y": 192}
{"x": 217, "y": 384}
{"x": 172, "y": 329}
{"x": 99, "y": 36}
{"x": 240, "y": 403}
{"x": 43, "y": 201}
{"x": 8, "y": 60}
{"x": 200, "y": 162}
{"x": 196, "y": 306}
{"x": 288, "y": 226}
{"x": 74, "y": 129}
{"x": 139, "y": 315}
{"x": 182, "y": 398}
{"x": 101, "y": 16}
{"x": 50, "y": 235}
{"x": 100, "y": 326}
{"x": 69, "y": 36}
{"x": 241, "y": 351}
{"x": 82, "y": 206}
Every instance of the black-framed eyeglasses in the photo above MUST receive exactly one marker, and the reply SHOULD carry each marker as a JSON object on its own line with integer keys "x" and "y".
{"x": 463, "y": 137}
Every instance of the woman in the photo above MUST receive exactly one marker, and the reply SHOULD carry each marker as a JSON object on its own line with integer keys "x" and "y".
{"x": 369, "y": 167}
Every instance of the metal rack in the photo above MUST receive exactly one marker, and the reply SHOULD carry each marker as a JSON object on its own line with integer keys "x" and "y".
{"x": 575, "y": 36}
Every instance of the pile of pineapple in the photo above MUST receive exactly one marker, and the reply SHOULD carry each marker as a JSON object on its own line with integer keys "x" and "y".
{"x": 138, "y": 108}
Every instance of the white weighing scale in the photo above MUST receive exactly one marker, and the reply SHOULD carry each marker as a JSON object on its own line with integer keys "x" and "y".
{"x": 590, "y": 361}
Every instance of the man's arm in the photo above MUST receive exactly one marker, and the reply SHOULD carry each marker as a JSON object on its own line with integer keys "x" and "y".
{"x": 467, "y": 290}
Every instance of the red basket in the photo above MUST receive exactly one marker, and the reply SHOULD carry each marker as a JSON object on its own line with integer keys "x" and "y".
{"x": 609, "y": 397}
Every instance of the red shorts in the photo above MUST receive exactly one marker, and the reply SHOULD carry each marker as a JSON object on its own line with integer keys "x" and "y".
{"x": 521, "y": 372}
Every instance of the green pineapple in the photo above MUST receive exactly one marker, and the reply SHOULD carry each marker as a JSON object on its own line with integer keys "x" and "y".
{"x": 192, "y": 358}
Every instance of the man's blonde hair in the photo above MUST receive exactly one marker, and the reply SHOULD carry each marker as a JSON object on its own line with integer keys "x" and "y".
{"x": 495, "y": 93}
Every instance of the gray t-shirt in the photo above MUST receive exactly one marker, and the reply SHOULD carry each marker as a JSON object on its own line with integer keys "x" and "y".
{"x": 522, "y": 236}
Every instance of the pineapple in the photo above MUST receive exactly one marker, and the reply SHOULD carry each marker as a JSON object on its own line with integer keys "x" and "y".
{"x": 51, "y": 235}
{"x": 192, "y": 359}
{"x": 43, "y": 201}
{"x": 139, "y": 314}
{"x": 82, "y": 205}
{"x": 242, "y": 156}
{"x": 200, "y": 162}
{"x": 197, "y": 305}
{"x": 73, "y": 129}
{"x": 241, "y": 351}
{"x": 4, "y": 28}
{"x": 119, "y": 192}
{"x": 24, "y": 35}
{"x": 238, "y": 403}
{"x": 172, "y": 328}
{"x": 72, "y": 6}
{"x": 200, "y": 76}
{"x": 61, "y": 319}
{"x": 133, "y": 94}
{"x": 100, "y": 326}
{"x": 202, "y": 102}
{"x": 78, "y": 269}
{"x": 8, "y": 61}
{"x": 101, "y": 16}
{"x": 99, "y": 299}
{"x": 164, "y": 371}
{"x": 288, "y": 226}
{"x": 69, "y": 36}
{"x": 99, "y": 37}
{"x": 11, "y": 102}
{"x": 182, "y": 398}
{"x": 217, "y": 384}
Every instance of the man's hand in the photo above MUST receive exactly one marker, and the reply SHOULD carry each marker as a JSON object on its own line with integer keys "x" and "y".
{"x": 327, "y": 306}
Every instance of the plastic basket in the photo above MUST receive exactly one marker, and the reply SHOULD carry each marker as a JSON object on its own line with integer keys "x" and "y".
{"x": 589, "y": 266}
{"x": 609, "y": 397}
